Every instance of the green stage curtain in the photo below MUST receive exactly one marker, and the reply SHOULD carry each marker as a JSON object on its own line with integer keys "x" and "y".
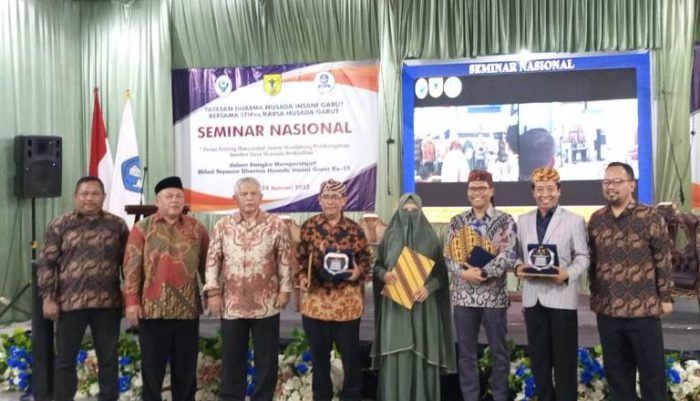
{"x": 697, "y": 21}
{"x": 53, "y": 53}
{"x": 221, "y": 33}
{"x": 672, "y": 84}
{"x": 126, "y": 45}
{"x": 39, "y": 77}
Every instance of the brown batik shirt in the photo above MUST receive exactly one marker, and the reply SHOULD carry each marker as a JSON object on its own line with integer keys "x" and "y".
{"x": 80, "y": 262}
{"x": 630, "y": 262}
{"x": 326, "y": 300}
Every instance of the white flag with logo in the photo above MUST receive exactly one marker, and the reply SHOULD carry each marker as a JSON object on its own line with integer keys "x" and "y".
{"x": 127, "y": 180}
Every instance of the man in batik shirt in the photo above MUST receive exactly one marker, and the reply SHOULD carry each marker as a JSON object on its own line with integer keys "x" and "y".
{"x": 479, "y": 292}
{"x": 164, "y": 256}
{"x": 332, "y": 305}
{"x": 630, "y": 287}
{"x": 248, "y": 284}
{"x": 78, "y": 279}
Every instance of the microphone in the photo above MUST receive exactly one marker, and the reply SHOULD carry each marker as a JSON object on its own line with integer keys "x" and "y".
{"x": 143, "y": 181}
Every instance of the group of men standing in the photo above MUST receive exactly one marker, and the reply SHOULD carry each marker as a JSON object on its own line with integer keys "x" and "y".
{"x": 247, "y": 278}
{"x": 247, "y": 281}
{"x": 626, "y": 249}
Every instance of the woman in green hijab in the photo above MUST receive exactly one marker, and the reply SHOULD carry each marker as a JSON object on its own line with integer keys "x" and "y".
{"x": 411, "y": 347}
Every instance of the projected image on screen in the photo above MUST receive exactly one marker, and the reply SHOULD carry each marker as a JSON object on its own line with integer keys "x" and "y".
{"x": 511, "y": 140}
{"x": 509, "y": 116}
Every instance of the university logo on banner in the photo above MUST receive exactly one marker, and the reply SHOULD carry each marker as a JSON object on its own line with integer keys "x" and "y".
{"x": 435, "y": 87}
{"x": 272, "y": 84}
{"x": 131, "y": 174}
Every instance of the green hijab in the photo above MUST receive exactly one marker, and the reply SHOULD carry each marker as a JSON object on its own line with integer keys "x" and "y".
{"x": 412, "y": 229}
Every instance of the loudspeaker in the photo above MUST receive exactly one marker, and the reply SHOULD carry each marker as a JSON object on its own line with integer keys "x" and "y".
{"x": 38, "y": 166}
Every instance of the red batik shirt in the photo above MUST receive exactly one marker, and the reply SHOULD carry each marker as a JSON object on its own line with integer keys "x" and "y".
{"x": 161, "y": 265}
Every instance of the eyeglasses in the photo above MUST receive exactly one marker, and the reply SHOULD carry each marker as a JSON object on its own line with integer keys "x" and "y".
{"x": 546, "y": 190}
{"x": 329, "y": 197}
{"x": 478, "y": 189}
{"x": 616, "y": 183}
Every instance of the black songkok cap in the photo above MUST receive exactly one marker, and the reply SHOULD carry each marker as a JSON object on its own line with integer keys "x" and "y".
{"x": 169, "y": 182}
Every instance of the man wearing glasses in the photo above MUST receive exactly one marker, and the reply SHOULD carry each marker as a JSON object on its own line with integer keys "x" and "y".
{"x": 479, "y": 292}
{"x": 630, "y": 287}
{"x": 334, "y": 260}
{"x": 550, "y": 302}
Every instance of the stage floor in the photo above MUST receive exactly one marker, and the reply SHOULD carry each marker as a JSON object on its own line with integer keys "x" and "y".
{"x": 681, "y": 329}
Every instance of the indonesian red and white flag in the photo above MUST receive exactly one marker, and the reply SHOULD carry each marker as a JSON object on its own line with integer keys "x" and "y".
{"x": 101, "y": 163}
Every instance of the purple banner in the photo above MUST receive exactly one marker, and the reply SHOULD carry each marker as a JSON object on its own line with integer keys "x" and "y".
{"x": 193, "y": 88}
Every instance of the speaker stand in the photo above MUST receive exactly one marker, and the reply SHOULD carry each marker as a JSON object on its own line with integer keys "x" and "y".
{"x": 42, "y": 334}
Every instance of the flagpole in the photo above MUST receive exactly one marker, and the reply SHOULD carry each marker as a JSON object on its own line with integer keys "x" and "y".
{"x": 146, "y": 163}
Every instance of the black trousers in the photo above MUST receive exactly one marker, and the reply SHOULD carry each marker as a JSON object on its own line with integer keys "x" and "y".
{"x": 104, "y": 326}
{"x": 552, "y": 337}
{"x": 346, "y": 335}
{"x": 176, "y": 340}
{"x": 631, "y": 344}
{"x": 266, "y": 342}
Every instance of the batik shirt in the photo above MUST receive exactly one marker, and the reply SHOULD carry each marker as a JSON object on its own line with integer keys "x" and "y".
{"x": 80, "y": 262}
{"x": 249, "y": 264}
{"x": 630, "y": 262}
{"x": 326, "y": 300}
{"x": 495, "y": 233}
{"x": 161, "y": 266}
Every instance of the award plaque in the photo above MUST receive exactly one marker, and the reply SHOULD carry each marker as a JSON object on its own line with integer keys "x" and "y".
{"x": 541, "y": 260}
{"x": 336, "y": 263}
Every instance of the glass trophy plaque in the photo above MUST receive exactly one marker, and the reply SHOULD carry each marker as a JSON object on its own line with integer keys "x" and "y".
{"x": 336, "y": 263}
{"x": 541, "y": 259}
